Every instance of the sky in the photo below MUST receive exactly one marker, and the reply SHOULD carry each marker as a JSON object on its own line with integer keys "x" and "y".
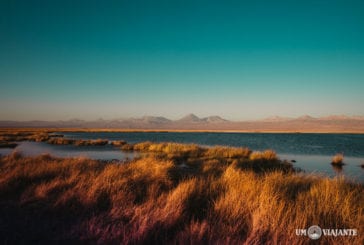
{"x": 241, "y": 60}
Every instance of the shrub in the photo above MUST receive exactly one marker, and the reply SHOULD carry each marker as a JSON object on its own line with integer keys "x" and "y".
{"x": 267, "y": 155}
{"x": 227, "y": 152}
{"x": 127, "y": 147}
{"x": 118, "y": 142}
{"x": 338, "y": 159}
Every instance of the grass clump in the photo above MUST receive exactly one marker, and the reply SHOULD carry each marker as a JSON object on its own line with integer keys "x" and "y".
{"x": 227, "y": 152}
{"x": 170, "y": 150}
{"x": 193, "y": 150}
{"x": 127, "y": 147}
{"x": 338, "y": 160}
{"x": 65, "y": 141}
{"x": 118, "y": 143}
{"x": 61, "y": 141}
{"x": 213, "y": 158}
{"x": 97, "y": 142}
{"x": 11, "y": 136}
{"x": 267, "y": 155}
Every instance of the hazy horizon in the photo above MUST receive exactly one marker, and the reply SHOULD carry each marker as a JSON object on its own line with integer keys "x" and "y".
{"x": 272, "y": 117}
{"x": 237, "y": 60}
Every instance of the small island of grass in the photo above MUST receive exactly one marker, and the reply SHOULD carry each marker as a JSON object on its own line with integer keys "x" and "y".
{"x": 338, "y": 160}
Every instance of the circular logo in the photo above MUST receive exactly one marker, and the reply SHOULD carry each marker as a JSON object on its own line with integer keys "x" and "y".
{"x": 314, "y": 232}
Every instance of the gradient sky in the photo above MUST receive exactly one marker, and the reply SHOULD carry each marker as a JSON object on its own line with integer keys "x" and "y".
{"x": 237, "y": 59}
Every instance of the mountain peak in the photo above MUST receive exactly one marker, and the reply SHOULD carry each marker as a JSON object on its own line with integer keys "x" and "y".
{"x": 150, "y": 119}
{"x": 190, "y": 118}
{"x": 214, "y": 119}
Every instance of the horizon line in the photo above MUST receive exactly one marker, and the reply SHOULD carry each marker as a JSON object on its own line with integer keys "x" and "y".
{"x": 271, "y": 117}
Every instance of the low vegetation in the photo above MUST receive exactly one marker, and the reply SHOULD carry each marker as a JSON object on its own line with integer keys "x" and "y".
{"x": 7, "y": 139}
{"x": 338, "y": 160}
{"x": 213, "y": 197}
{"x": 13, "y": 136}
{"x": 213, "y": 158}
{"x": 64, "y": 141}
{"x": 172, "y": 194}
{"x": 118, "y": 142}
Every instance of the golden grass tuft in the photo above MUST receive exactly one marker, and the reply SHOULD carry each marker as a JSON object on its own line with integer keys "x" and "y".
{"x": 118, "y": 142}
{"x": 11, "y": 136}
{"x": 97, "y": 142}
{"x": 127, "y": 147}
{"x": 228, "y": 152}
{"x": 65, "y": 141}
{"x": 168, "y": 148}
{"x": 338, "y": 159}
{"x": 267, "y": 155}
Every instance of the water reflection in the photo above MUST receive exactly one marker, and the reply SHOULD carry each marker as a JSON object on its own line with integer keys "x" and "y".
{"x": 337, "y": 168}
{"x": 322, "y": 164}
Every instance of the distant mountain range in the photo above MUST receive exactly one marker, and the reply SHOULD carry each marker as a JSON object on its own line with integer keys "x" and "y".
{"x": 306, "y": 123}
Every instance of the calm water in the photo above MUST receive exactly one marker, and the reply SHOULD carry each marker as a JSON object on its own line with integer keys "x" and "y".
{"x": 93, "y": 152}
{"x": 312, "y": 152}
{"x": 307, "y": 144}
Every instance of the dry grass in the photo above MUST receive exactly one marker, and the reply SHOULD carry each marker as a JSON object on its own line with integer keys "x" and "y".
{"x": 7, "y": 136}
{"x": 11, "y": 136}
{"x": 168, "y": 148}
{"x": 193, "y": 150}
{"x": 228, "y": 152}
{"x": 118, "y": 142}
{"x": 152, "y": 200}
{"x": 98, "y": 142}
{"x": 267, "y": 155}
{"x": 338, "y": 159}
{"x": 212, "y": 158}
{"x": 127, "y": 147}
{"x": 65, "y": 141}
{"x": 61, "y": 141}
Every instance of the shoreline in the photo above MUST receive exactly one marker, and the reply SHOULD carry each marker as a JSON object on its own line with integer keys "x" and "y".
{"x": 136, "y": 130}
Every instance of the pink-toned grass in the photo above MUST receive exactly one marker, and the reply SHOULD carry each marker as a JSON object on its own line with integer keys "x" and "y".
{"x": 153, "y": 200}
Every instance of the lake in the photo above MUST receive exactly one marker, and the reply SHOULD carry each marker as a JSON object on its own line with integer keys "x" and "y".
{"x": 107, "y": 152}
{"x": 312, "y": 152}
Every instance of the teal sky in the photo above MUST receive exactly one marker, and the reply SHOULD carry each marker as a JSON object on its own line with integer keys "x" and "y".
{"x": 237, "y": 59}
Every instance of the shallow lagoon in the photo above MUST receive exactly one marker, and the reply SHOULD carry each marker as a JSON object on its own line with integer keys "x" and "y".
{"x": 94, "y": 152}
{"x": 312, "y": 152}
